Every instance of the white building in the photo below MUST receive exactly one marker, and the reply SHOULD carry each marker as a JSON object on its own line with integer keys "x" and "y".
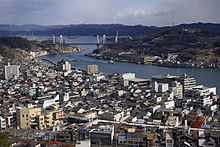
{"x": 205, "y": 100}
{"x": 177, "y": 89}
{"x": 63, "y": 97}
{"x": 32, "y": 55}
{"x": 173, "y": 121}
{"x": 11, "y": 71}
{"x": 2, "y": 123}
{"x": 160, "y": 87}
{"x": 163, "y": 87}
{"x": 201, "y": 91}
{"x": 44, "y": 103}
{"x": 169, "y": 104}
{"x": 128, "y": 76}
{"x": 63, "y": 65}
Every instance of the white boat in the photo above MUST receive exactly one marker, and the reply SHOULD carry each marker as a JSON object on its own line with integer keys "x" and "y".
{"x": 111, "y": 61}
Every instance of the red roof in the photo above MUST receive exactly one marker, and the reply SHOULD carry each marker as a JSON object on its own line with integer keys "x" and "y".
{"x": 54, "y": 142}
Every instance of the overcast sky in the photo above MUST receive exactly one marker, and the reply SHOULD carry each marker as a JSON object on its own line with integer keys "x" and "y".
{"x": 130, "y": 12}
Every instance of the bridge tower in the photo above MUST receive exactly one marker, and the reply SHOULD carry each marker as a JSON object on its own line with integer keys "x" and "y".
{"x": 104, "y": 39}
{"x": 116, "y": 37}
{"x": 54, "y": 39}
{"x": 54, "y": 43}
{"x": 61, "y": 43}
{"x": 97, "y": 41}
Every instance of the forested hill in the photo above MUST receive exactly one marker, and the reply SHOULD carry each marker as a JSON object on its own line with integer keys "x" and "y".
{"x": 12, "y": 48}
{"x": 15, "y": 42}
{"x": 94, "y": 29}
{"x": 192, "y": 44}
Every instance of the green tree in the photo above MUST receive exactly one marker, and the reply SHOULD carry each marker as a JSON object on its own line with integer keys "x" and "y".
{"x": 4, "y": 139}
{"x": 156, "y": 116}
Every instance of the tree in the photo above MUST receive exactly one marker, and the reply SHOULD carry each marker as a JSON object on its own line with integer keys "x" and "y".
{"x": 156, "y": 116}
{"x": 4, "y": 139}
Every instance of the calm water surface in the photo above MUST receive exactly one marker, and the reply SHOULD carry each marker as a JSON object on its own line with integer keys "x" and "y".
{"x": 207, "y": 77}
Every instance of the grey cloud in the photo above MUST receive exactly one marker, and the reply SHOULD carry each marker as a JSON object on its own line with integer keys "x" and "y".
{"x": 146, "y": 12}
{"x": 178, "y": 11}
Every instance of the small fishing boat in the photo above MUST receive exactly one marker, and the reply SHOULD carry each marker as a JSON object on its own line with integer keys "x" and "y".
{"x": 74, "y": 60}
{"x": 111, "y": 62}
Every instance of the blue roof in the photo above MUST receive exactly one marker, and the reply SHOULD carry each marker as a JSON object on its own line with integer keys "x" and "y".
{"x": 207, "y": 126}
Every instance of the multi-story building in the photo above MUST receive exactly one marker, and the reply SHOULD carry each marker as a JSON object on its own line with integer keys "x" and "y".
{"x": 63, "y": 65}
{"x": 32, "y": 117}
{"x": 6, "y": 121}
{"x": 2, "y": 123}
{"x": 92, "y": 69}
{"x": 169, "y": 141}
{"x": 201, "y": 91}
{"x": 11, "y": 71}
{"x": 187, "y": 82}
{"x": 26, "y": 116}
{"x": 160, "y": 87}
{"x": 103, "y": 135}
{"x": 84, "y": 117}
{"x": 143, "y": 83}
{"x": 177, "y": 89}
{"x": 165, "y": 79}
{"x": 205, "y": 100}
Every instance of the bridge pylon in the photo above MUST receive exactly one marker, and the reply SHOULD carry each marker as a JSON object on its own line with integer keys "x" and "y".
{"x": 54, "y": 39}
{"x": 104, "y": 39}
{"x": 116, "y": 37}
{"x": 97, "y": 42}
{"x": 61, "y": 43}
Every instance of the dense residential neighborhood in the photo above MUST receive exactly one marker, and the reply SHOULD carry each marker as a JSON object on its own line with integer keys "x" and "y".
{"x": 109, "y": 73}
{"x": 42, "y": 105}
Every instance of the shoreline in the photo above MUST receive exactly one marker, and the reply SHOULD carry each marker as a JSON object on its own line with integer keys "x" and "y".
{"x": 151, "y": 63}
{"x": 64, "y": 52}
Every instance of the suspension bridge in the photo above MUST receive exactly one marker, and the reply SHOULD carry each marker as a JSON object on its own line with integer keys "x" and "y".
{"x": 99, "y": 41}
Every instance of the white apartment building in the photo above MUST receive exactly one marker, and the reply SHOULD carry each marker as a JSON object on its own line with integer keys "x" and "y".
{"x": 11, "y": 71}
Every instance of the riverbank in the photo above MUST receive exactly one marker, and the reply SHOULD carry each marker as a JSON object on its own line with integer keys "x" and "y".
{"x": 56, "y": 52}
{"x": 69, "y": 49}
{"x": 154, "y": 60}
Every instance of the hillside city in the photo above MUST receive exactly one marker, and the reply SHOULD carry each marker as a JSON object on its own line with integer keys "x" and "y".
{"x": 49, "y": 105}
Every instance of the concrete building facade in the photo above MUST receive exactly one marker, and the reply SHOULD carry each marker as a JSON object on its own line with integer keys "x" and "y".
{"x": 92, "y": 69}
{"x": 11, "y": 71}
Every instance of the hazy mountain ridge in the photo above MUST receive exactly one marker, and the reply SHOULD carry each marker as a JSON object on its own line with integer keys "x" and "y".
{"x": 94, "y": 29}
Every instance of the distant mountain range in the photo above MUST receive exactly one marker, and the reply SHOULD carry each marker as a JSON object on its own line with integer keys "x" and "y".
{"x": 94, "y": 29}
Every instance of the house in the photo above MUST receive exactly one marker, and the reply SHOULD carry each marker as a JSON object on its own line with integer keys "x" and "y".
{"x": 198, "y": 122}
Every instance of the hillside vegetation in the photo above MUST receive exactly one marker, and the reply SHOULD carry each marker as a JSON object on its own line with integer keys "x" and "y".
{"x": 13, "y": 48}
{"x": 190, "y": 44}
